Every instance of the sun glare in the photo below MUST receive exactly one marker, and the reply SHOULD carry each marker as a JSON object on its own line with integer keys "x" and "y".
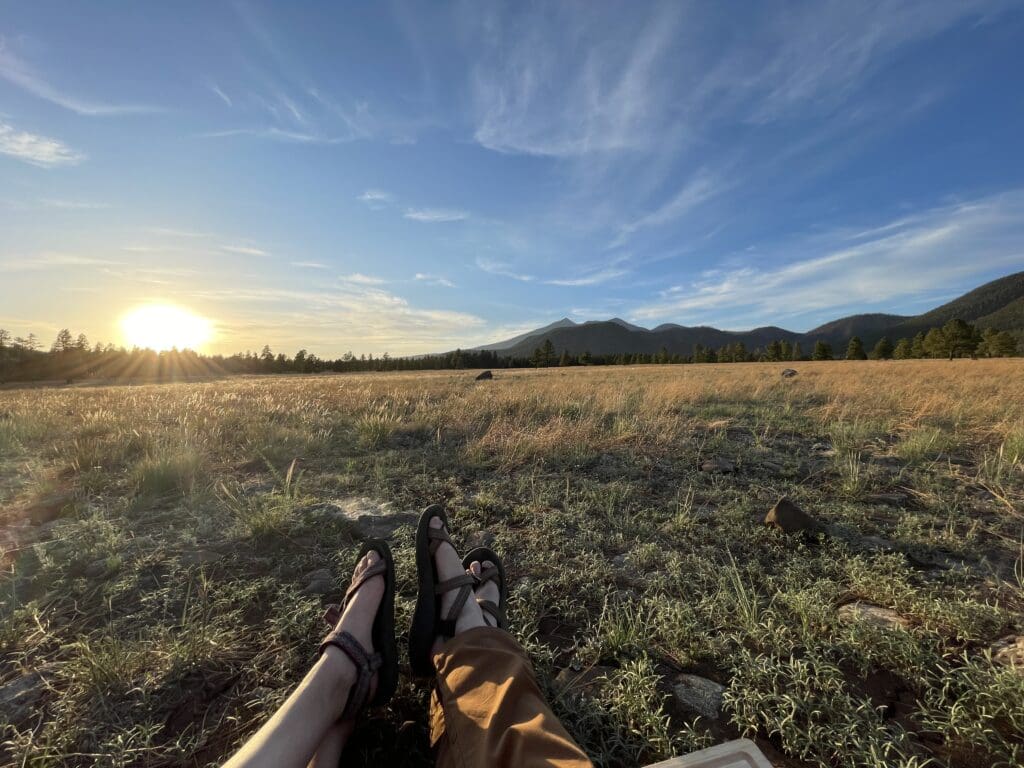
{"x": 162, "y": 326}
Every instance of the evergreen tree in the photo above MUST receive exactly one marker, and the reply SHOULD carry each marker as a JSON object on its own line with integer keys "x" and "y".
{"x": 585, "y": 357}
{"x": 797, "y": 354}
{"x": 785, "y": 350}
{"x": 63, "y": 342}
{"x": 855, "y": 349}
{"x": 903, "y": 350}
{"x": 5, "y": 336}
{"x": 917, "y": 346}
{"x": 563, "y": 361}
{"x": 883, "y": 349}
{"x": 822, "y": 351}
{"x": 934, "y": 344}
{"x": 774, "y": 352}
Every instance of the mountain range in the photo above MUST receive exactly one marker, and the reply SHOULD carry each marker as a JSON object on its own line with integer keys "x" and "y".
{"x": 998, "y": 304}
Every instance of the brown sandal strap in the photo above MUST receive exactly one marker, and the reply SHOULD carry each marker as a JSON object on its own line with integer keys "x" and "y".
{"x": 488, "y": 574}
{"x": 464, "y": 584}
{"x": 377, "y": 569}
{"x": 366, "y": 665}
{"x": 437, "y": 537}
{"x": 488, "y": 606}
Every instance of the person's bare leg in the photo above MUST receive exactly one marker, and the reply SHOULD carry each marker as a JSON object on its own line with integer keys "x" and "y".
{"x": 307, "y": 722}
{"x": 448, "y": 565}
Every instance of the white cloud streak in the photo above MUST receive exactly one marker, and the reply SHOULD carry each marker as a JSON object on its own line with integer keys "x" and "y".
{"x": 502, "y": 270}
{"x": 16, "y": 71}
{"x": 33, "y": 149}
{"x": 358, "y": 278}
{"x": 896, "y": 262}
{"x": 434, "y": 280}
{"x": 595, "y": 278}
{"x": 435, "y": 215}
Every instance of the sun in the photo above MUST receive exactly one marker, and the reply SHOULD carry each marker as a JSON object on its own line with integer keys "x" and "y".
{"x": 164, "y": 326}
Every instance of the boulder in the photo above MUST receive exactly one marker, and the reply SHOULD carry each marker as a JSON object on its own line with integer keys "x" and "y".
{"x": 788, "y": 373}
{"x": 717, "y": 466}
{"x": 1009, "y": 651}
{"x": 872, "y": 614}
{"x": 700, "y": 695}
{"x": 789, "y": 518}
{"x": 484, "y": 376}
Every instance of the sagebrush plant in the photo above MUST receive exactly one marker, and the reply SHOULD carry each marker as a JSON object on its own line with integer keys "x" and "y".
{"x": 163, "y": 607}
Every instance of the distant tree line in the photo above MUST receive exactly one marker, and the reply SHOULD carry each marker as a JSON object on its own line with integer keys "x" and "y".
{"x": 72, "y": 358}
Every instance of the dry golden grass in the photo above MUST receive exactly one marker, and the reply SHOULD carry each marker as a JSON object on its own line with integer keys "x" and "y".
{"x": 589, "y": 479}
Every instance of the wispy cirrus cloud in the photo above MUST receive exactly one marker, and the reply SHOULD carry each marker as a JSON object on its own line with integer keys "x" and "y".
{"x": 217, "y": 91}
{"x": 502, "y": 269}
{"x": 913, "y": 256}
{"x": 594, "y": 278}
{"x": 376, "y": 199}
{"x": 244, "y": 250}
{"x": 358, "y": 278}
{"x": 37, "y": 150}
{"x": 433, "y": 280}
{"x": 52, "y": 260}
{"x": 16, "y": 71}
{"x": 435, "y": 215}
{"x": 309, "y": 265}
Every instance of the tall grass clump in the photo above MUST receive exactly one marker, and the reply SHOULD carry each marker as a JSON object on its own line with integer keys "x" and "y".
{"x": 175, "y": 472}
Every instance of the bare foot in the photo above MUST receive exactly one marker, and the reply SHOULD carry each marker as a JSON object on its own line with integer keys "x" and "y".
{"x": 448, "y": 565}
{"x": 486, "y": 591}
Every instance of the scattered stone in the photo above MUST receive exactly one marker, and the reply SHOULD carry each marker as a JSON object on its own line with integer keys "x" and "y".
{"x": 876, "y": 544}
{"x": 318, "y": 582}
{"x": 485, "y": 376}
{"x": 200, "y": 557}
{"x": 19, "y": 698}
{"x": 479, "y": 539}
{"x": 888, "y": 499}
{"x": 789, "y": 518}
{"x": 717, "y": 465}
{"x": 49, "y": 508}
{"x": 368, "y": 518}
{"x": 700, "y": 695}
{"x": 872, "y": 614}
{"x": 1009, "y": 651}
{"x": 788, "y": 373}
{"x": 821, "y": 448}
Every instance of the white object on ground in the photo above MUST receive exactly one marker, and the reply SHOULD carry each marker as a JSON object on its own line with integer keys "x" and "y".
{"x": 741, "y": 753}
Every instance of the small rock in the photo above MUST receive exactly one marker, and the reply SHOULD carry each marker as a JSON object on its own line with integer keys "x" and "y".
{"x": 200, "y": 557}
{"x": 319, "y": 587}
{"x": 320, "y": 574}
{"x": 788, "y": 373}
{"x": 872, "y": 614}
{"x": 876, "y": 544}
{"x": 50, "y": 508}
{"x": 789, "y": 518}
{"x": 717, "y": 465}
{"x": 889, "y": 499}
{"x": 1009, "y": 651}
{"x": 479, "y": 539}
{"x": 821, "y": 448}
{"x": 369, "y": 519}
{"x": 699, "y": 694}
{"x": 485, "y": 376}
{"x": 19, "y": 698}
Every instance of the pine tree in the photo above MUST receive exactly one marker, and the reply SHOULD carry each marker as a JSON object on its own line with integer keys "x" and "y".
{"x": 774, "y": 352}
{"x": 855, "y": 349}
{"x": 563, "y": 361}
{"x": 903, "y": 350}
{"x": 63, "y": 342}
{"x": 883, "y": 349}
{"x": 822, "y": 351}
{"x": 797, "y": 354}
{"x": 917, "y": 347}
{"x": 785, "y": 350}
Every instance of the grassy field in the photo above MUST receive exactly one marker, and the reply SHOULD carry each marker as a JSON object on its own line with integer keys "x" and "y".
{"x": 157, "y": 548}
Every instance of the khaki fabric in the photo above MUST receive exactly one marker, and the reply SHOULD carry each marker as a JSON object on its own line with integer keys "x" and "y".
{"x": 486, "y": 710}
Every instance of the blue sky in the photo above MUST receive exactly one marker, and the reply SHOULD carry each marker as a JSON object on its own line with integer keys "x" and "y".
{"x": 411, "y": 177}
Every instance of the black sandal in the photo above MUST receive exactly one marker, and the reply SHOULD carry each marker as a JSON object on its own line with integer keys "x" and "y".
{"x": 384, "y": 661}
{"x": 497, "y": 573}
{"x": 427, "y": 623}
